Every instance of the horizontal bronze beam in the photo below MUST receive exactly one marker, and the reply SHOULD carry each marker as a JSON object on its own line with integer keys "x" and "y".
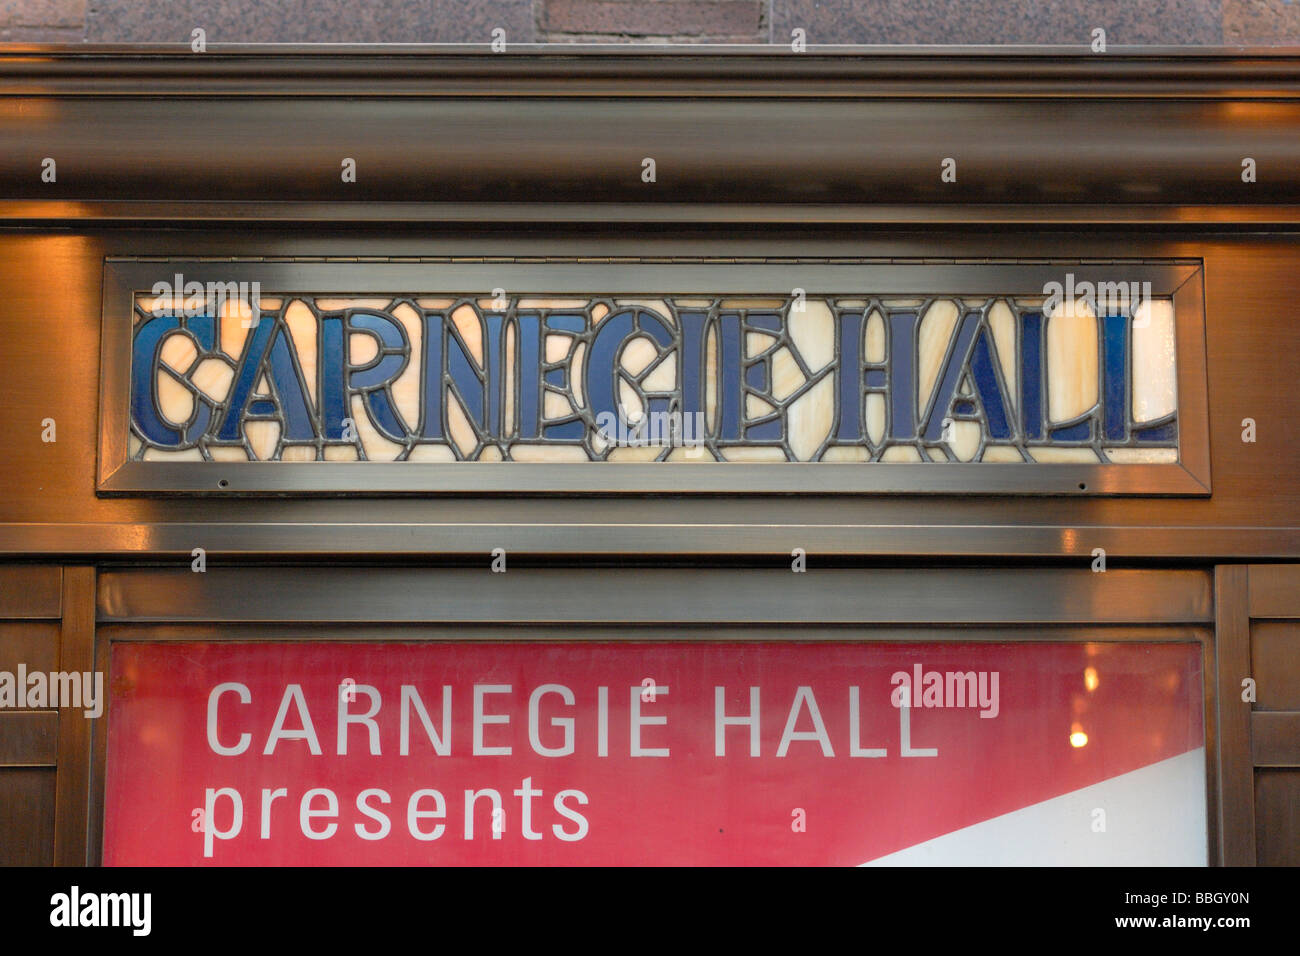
{"x": 593, "y": 69}
{"x": 1079, "y": 218}
{"x": 657, "y": 596}
{"x": 227, "y": 539}
{"x": 1057, "y": 127}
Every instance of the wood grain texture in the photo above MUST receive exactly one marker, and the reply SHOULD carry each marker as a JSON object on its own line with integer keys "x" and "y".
{"x": 77, "y": 648}
{"x": 1275, "y": 738}
{"x": 1275, "y": 590}
{"x": 33, "y": 643}
{"x": 30, "y": 592}
{"x": 28, "y": 738}
{"x": 1236, "y": 770}
{"x": 1275, "y": 663}
{"x": 26, "y": 816}
{"x": 1277, "y": 808}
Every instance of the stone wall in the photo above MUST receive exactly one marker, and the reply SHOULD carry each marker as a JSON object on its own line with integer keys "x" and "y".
{"x": 1056, "y": 22}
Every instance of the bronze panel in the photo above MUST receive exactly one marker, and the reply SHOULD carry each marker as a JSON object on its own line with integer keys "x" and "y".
{"x": 50, "y": 505}
{"x": 1275, "y": 663}
{"x": 26, "y": 816}
{"x": 1277, "y": 807}
{"x": 31, "y": 643}
{"x": 31, "y": 592}
{"x": 1275, "y": 590}
{"x": 1275, "y": 738}
{"x": 28, "y": 738}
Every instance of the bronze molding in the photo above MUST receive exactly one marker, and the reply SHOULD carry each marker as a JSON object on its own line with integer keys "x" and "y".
{"x": 658, "y": 596}
{"x": 727, "y": 127}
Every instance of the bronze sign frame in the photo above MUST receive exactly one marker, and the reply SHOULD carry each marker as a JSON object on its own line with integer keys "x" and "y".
{"x": 1189, "y": 476}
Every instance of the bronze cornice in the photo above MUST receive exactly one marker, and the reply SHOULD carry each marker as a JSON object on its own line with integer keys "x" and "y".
{"x": 1146, "y": 136}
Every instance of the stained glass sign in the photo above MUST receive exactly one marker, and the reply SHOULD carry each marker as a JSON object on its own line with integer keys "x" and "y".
{"x": 1075, "y": 372}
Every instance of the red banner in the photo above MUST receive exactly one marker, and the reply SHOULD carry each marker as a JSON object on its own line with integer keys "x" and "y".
{"x": 670, "y": 753}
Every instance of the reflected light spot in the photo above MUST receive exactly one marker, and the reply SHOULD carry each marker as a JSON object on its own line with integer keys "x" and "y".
{"x": 152, "y": 734}
{"x": 1090, "y": 680}
{"x": 1077, "y": 737}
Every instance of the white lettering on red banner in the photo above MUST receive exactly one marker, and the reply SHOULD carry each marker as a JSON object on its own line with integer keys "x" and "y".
{"x": 762, "y": 753}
